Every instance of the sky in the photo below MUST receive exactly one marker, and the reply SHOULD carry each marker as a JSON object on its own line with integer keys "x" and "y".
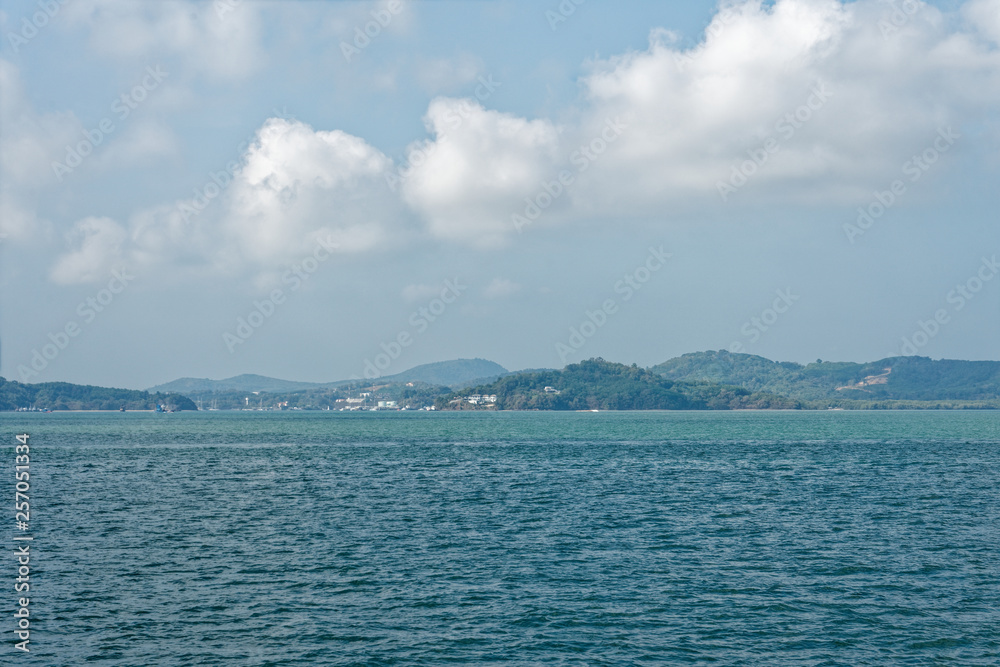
{"x": 322, "y": 190}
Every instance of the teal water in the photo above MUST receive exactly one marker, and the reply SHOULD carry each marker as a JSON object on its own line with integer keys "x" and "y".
{"x": 772, "y": 538}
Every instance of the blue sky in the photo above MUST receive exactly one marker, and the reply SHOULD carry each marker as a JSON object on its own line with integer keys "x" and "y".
{"x": 821, "y": 174}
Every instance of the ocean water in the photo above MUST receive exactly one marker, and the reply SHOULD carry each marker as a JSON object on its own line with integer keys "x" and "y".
{"x": 770, "y": 538}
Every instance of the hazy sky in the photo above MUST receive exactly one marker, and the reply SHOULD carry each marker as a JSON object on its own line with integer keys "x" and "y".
{"x": 295, "y": 188}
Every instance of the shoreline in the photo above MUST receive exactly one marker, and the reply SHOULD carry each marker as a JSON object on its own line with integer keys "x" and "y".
{"x": 802, "y": 410}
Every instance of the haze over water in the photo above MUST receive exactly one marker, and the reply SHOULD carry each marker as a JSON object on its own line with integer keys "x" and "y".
{"x": 614, "y": 538}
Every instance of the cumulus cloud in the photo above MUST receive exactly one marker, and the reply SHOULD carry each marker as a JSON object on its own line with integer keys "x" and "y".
{"x": 477, "y": 169}
{"x": 698, "y": 112}
{"x": 297, "y": 184}
{"x": 843, "y": 93}
{"x": 158, "y": 237}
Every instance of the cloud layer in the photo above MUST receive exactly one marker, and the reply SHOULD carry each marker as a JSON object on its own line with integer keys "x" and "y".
{"x": 219, "y": 38}
{"x": 811, "y": 101}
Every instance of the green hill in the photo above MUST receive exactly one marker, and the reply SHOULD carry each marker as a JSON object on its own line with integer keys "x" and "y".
{"x": 699, "y": 381}
{"x": 601, "y": 385}
{"x": 444, "y": 373}
{"x": 894, "y": 378}
{"x": 450, "y": 373}
{"x": 66, "y": 396}
{"x": 239, "y": 383}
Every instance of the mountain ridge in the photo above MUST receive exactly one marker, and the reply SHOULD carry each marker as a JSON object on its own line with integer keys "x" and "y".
{"x": 443, "y": 373}
{"x": 596, "y": 384}
{"x": 893, "y": 378}
{"x": 698, "y": 380}
{"x": 66, "y": 396}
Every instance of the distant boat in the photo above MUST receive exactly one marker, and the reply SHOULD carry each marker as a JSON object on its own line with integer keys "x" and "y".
{"x": 121, "y": 409}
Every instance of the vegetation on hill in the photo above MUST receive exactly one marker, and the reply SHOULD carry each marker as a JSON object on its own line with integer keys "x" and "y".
{"x": 601, "y": 385}
{"x": 66, "y": 396}
{"x": 240, "y": 383}
{"x": 700, "y": 381}
{"x": 450, "y": 373}
{"x": 454, "y": 373}
{"x": 891, "y": 379}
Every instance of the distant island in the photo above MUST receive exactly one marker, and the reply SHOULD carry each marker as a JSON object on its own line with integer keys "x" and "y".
{"x": 714, "y": 380}
{"x": 602, "y": 385}
{"x": 915, "y": 381}
{"x": 65, "y": 396}
{"x": 727, "y": 381}
{"x": 442, "y": 373}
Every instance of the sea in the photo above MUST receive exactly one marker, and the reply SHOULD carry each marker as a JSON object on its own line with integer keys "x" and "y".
{"x": 506, "y": 538}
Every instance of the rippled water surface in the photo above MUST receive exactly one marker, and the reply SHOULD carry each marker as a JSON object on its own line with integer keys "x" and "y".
{"x": 769, "y": 538}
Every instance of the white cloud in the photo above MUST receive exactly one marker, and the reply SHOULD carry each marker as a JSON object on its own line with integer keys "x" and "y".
{"x": 160, "y": 235}
{"x": 99, "y": 242}
{"x": 692, "y": 115}
{"x": 689, "y": 116}
{"x": 984, "y": 15}
{"x": 295, "y": 186}
{"x": 218, "y": 39}
{"x": 28, "y": 144}
{"x": 153, "y": 238}
{"x": 298, "y": 184}
{"x": 695, "y": 113}
{"x": 32, "y": 143}
{"x": 478, "y": 168}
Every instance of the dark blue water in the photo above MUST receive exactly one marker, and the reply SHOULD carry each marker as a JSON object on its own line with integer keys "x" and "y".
{"x": 514, "y": 538}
